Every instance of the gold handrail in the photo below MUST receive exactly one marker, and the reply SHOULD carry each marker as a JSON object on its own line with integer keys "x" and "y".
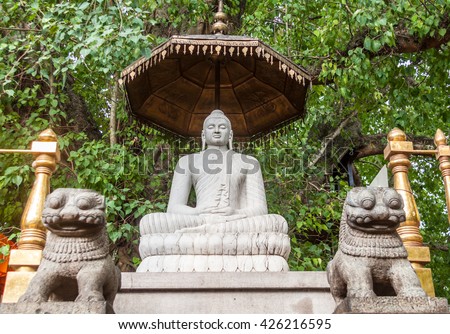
{"x": 397, "y": 152}
{"x": 25, "y": 260}
{"x": 15, "y": 151}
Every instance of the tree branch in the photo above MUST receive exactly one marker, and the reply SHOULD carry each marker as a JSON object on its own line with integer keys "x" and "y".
{"x": 330, "y": 139}
{"x": 19, "y": 29}
{"x": 375, "y": 144}
{"x": 443, "y": 248}
{"x": 404, "y": 42}
{"x": 113, "y": 111}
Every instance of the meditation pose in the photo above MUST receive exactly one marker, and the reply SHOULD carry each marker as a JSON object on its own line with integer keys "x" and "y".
{"x": 229, "y": 229}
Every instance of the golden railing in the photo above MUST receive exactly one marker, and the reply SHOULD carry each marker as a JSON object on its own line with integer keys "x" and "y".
{"x": 397, "y": 152}
{"x": 25, "y": 260}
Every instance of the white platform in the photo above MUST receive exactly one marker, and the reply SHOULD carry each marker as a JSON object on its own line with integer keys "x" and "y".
{"x": 224, "y": 293}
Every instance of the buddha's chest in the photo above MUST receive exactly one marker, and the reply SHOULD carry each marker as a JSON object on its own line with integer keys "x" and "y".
{"x": 218, "y": 166}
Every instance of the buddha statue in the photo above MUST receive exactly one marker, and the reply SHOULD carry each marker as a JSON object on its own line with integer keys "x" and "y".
{"x": 229, "y": 229}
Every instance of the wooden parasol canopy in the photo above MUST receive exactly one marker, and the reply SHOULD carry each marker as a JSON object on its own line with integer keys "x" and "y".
{"x": 189, "y": 76}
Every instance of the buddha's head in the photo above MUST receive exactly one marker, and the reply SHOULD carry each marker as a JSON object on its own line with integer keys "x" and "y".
{"x": 217, "y": 130}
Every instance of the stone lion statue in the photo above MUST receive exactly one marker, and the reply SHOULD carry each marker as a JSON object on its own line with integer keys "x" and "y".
{"x": 371, "y": 259}
{"x": 76, "y": 264}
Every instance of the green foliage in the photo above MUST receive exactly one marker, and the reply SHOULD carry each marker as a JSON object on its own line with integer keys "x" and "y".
{"x": 434, "y": 220}
{"x": 4, "y": 251}
{"x": 60, "y": 60}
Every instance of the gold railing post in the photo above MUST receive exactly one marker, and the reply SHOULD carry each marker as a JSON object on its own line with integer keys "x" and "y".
{"x": 25, "y": 260}
{"x": 33, "y": 231}
{"x": 443, "y": 156}
{"x": 397, "y": 152}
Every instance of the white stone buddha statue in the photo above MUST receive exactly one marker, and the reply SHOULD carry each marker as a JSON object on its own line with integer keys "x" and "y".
{"x": 229, "y": 229}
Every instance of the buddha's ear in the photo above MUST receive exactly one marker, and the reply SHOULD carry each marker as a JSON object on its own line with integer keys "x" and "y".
{"x": 230, "y": 140}
{"x": 203, "y": 140}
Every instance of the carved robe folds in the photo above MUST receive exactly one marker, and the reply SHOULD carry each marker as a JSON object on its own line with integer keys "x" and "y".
{"x": 251, "y": 244}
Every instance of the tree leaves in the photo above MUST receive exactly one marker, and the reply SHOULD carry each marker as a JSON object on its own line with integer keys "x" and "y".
{"x": 372, "y": 45}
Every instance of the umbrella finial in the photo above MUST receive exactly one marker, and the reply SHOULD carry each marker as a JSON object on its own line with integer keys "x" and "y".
{"x": 220, "y": 26}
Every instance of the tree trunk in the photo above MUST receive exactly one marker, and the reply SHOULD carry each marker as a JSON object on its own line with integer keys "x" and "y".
{"x": 112, "y": 117}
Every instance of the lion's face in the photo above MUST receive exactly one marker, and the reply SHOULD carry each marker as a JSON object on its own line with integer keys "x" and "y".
{"x": 74, "y": 212}
{"x": 374, "y": 210}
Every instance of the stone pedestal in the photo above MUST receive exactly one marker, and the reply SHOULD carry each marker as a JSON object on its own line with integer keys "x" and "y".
{"x": 224, "y": 293}
{"x": 56, "y": 308}
{"x": 393, "y": 305}
{"x": 26, "y": 262}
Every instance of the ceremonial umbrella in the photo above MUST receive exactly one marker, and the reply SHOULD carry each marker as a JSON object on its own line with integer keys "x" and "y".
{"x": 189, "y": 76}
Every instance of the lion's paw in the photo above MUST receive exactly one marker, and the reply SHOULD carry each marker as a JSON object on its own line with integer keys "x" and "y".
{"x": 412, "y": 292}
{"x": 359, "y": 293}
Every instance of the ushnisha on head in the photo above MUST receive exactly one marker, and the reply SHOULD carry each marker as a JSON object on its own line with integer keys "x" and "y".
{"x": 374, "y": 209}
{"x": 217, "y": 130}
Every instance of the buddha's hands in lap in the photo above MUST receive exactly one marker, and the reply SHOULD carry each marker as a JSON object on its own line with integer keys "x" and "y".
{"x": 221, "y": 215}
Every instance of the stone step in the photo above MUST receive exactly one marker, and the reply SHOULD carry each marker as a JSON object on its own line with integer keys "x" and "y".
{"x": 224, "y": 293}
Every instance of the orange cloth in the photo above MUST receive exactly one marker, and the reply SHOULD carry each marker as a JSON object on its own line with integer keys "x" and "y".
{"x": 4, "y": 261}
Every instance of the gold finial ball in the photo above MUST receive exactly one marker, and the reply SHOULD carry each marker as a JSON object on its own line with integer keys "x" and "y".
{"x": 47, "y": 135}
{"x": 396, "y": 135}
{"x": 220, "y": 26}
{"x": 220, "y": 16}
{"x": 439, "y": 138}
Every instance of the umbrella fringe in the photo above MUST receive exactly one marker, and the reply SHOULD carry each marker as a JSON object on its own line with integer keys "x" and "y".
{"x": 225, "y": 46}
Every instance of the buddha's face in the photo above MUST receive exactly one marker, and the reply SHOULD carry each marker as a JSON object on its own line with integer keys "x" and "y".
{"x": 217, "y": 131}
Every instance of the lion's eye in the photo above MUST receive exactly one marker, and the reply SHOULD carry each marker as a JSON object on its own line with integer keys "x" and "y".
{"x": 367, "y": 203}
{"x": 54, "y": 203}
{"x": 367, "y": 199}
{"x": 84, "y": 203}
{"x": 395, "y": 203}
{"x": 392, "y": 199}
